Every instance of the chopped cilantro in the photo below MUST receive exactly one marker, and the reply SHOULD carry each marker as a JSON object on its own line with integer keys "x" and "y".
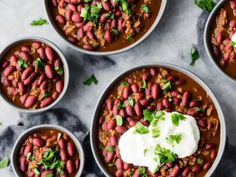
{"x": 172, "y": 139}
{"x": 145, "y": 8}
{"x": 115, "y": 31}
{"x": 4, "y": 163}
{"x": 22, "y": 63}
{"x": 39, "y": 22}
{"x": 125, "y": 83}
{"x": 155, "y": 132}
{"x": 129, "y": 37}
{"x": 176, "y": 117}
{"x": 141, "y": 129}
{"x": 110, "y": 149}
{"x": 194, "y": 55}
{"x": 150, "y": 115}
{"x": 119, "y": 120}
{"x": 206, "y": 5}
{"x": 90, "y": 80}
{"x": 39, "y": 63}
{"x": 144, "y": 86}
{"x": 165, "y": 155}
{"x": 36, "y": 171}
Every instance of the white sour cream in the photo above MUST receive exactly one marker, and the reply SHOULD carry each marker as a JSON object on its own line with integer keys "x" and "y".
{"x": 138, "y": 149}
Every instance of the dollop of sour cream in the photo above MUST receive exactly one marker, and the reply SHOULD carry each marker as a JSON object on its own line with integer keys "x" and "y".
{"x": 179, "y": 136}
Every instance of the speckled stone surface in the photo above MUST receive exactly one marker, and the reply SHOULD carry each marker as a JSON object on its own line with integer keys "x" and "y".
{"x": 181, "y": 27}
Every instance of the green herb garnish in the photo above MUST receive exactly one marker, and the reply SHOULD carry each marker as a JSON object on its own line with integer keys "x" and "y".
{"x": 128, "y": 102}
{"x": 150, "y": 115}
{"x": 59, "y": 136}
{"x": 119, "y": 120}
{"x": 115, "y": 31}
{"x": 167, "y": 85}
{"x": 144, "y": 86}
{"x": 145, "y": 151}
{"x": 4, "y": 163}
{"x": 45, "y": 95}
{"x": 125, "y": 83}
{"x": 100, "y": 146}
{"x": 142, "y": 171}
{"x": 39, "y": 22}
{"x": 200, "y": 110}
{"x": 233, "y": 43}
{"x": 165, "y": 155}
{"x": 39, "y": 63}
{"x": 129, "y": 37}
{"x": 29, "y": 156}
{"x": 172, "y": 139}
{"x": 90, "y": 80}
{"x": 194, "y": 55}
{"x": 200, "y": 160}
{"x": 110, "y": 149}
{"x": 22, "y": 63}
{"x": 120, "y": 105}
{"x": 155, "y": 132}
{"x": 49, "y": 175}
{"x": 59, "y": 70}
{"x": 176, "y": 117}
{"x": 141, "y": 129}
{"x": 36, "y": 171}
{"x": 206, "y": 5}
{"x": 145, "y": 8}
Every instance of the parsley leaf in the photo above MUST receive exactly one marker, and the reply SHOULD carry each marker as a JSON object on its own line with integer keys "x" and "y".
{"x": 141, "y": 129}
{"x": 39, "y": 22}
{"x": 195, "y": 55}
{"x": 175, "y": 117}
{"x": 206, "y": 5}
{"x": 165, "y": 155}
{"x": 90, "y": 80}
{"x": 145, "y": 8}
{"x": 119, "y": 120}
{"x": 22, "y": 63}
{"x": 172, "y": 139}
{"x": 4, "y": 163}
{"x": 120, "y": 105}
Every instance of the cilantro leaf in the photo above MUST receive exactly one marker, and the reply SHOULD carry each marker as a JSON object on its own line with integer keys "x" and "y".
{"x": 4, "y": 163}
{"x": 155, "y": 132}
{"x": 129, "y": 37}
{"x": 39, "y": 22}
{"x": 144, "y": 86}
{"x": 119, "y": 120}
{"x": 39, "y": 63}
{"x": 165, "y": 155}
{"x": 120, "y": 105}
{"x": 145, "y": 8}
{"x": 167, "y": 85}
{"x": 176, "y": 117}
{"x": 22, "y": 63}
{"x": 150, "y": 115}
{"x": 194, "y": 55}
{"x": 172, "y": 139}
{"x": 141, "y": 129}
{"x": 90, "y": 80}
{"x": 206, "y": 5}
{"x": 125, "y": 83}
{"x": 142, "y": 172}
{"x": 59, "y": 70}
{"x": 110, "y": 149}
{"x": 128, "y": 102}
{"x": 36, "y": 171}
{"x": 115, "y": 31}
{"x": 59, "y": 136}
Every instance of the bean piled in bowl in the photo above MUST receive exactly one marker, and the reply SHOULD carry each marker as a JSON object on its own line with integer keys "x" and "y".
{"x": 142, "y": 95}
{"x": 104, "y": 25}
{"x": 223, "y": 38}
{"x": 48, "y": 153}
{"x": 32, "y": 75}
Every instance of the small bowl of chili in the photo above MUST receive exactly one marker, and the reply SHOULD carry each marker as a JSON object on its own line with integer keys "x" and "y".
{"x": 158, "y": 120}
{"x": 47, "y": 151}
{"x": 34, "y": 74}
{"x": 104, "y": 27}
{"x": 220, "y": 38}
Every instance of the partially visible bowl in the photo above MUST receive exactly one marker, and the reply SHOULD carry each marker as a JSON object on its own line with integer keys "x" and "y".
{"x": 102, "y": 124}
{"x": 33, "y": 132}
{"x": 113, "y": 49}
{"x": 57, "y": 83}
{"x": 218, "y": 59}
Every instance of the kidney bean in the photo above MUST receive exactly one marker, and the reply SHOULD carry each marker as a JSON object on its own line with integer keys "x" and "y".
{"x": 76, "y": 18}
{"x": 176, "y": 101}
{"x": 185, "y": 172}
{"x": 30, "y": 101}
{"x": 122, "y": 113}
{"x": 121, "y": 129}
{"x": 155, "y": 90}
{"x": 25, "y": 56}
{"x": 7, "y": 83}
{"x": 49, "y": 71}
{"x": 23, "y": 98}
{"x": 146, "y": 76}
{"x": 109, "y": 104}
{"x": 41, "y": 79}
{"x": 41, "y": 53}
{"x": 113, "y": 141}
{"x": 90, "y": 35}
{"x": 213, "y": 154}
{"x": 166, "y": 103}
{"x": 186, "y": 98}
{"x": 219, "y": 37}
{"x": 121, "y": 24}
{"x": 87, "y": 47}
{"x": 153, "y": 72}
{"x": 13, "y": 60}
{"x": 70, "y": 166}
{"x": 26, "y": 73}
{"x": 196, "y": 169}
{"x": 36, "y": 45}
{"x": 108, "y": 36}
{"x": 202, "y": 123}
{"x": 148, "y": 93}
{"x": 174, "y": 93}
{"x": 103, "y": 18}
{"x": 60, "y": 19}
{"x": 30, "y": 79}
{"x": 59, "y": 86}
{"x": 77, "y": 163}
{"x": 113, "y": 23}
{"x": 194, "y": 103}
{"x": 43, "y": 86}
{"x": 28, "y": 149}
{"x": 5, "y": 64}
{"x": 45, "y": 173}
{"x": 106, "y": 6}
{"x": 126, "y": 92}
{"x": 80, "y": 33}
{"x": 25, "y": 48}
{"x": 134, "y": 88}
{"x": 21, "y": 88}
{"x": 132, "y": 123}
{"x": 38, "y": 141}
{"x": 126, "y": 166}
{"x": 119, "y": 173}
{"x": 207, "y": 166}
{"x": 160, "y": 106}
{"x": 129, "y": 110}
{"x": 233, "y": 4}
{"x": 8, "y": 70}
{"x": 119, "y": 164}
{"x": 68, "y": 14}
{"x": 88, "y": 26}
{"x": 62, "y": 143}
{"x": 71, "y": 149}
{"x": 138, "y": 109}
{"x": 139, "y": 96}
{"x": 111, "y": 125}
{"x": 61, "y": 3}
{"x": 63, "y": 155}
{"x": 192, "y": 112}
{"x": 179, "y": 82}
{"x": 109, "y": 156}
{"x": 174, "y": 171}
{"x": 46, "y": 101}
{"x": 114, "y": 3}
{"x": 49, "y": 53}
{"x": 23, "y": 164}
{"x": 210, "y": 146}
{"x": 143, "y": 102}
{"x": 136, "y": 173}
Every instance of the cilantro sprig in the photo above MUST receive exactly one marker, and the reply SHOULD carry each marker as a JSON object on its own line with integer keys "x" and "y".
{"x": 39, "y": 22}
{"x": 90, "y": 80}
{"x": 174, "y": 139}
{"x": 176, "y": 117}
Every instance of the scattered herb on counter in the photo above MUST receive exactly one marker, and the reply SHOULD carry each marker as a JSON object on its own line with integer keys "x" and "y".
{"x": 194, "y": 55}
{"x": 206, "y": 5}
{"x": 119, "y": 120}
{"x": 39, "y": 22}
{"x": 4, "y": 163}
{"x": 141, "y": 129}
{"x": 90, "y": 80}
{"x": 172, "y": 139}
{"x": 165, "y": 155}
{"x": 22, "y": 63}
{"x": 175, "y": 117}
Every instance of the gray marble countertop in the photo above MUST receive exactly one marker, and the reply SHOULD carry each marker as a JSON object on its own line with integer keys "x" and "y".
{"x": 181, "y": 27}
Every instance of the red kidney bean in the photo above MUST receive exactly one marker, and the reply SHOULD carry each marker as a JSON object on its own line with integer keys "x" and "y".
{"x": 166, "y": 103}
{"x": 80, "y": 33}
{"x": 88, "y": 26}
{"x": 129, "y": 110}
{"x": 71, "y": 7}
{"x": 146, "y": 76}
{"x": 49, "y": 71}
{"x": 36, "y": 45}
{"x": 126, "y": 92}
{"x": 106, "y": 6}
{"x": 60, "y": 19}
{"x": 192, "y": 112}
{"x": 38, "y": 141}
{"x": 210, "y": 146}
{"x": 25, "y": 49}
{"x": 194, "y": 103}
{"x": 126, "y": 166}
{"x": 202, "y": 123}
{"x": 219, "y": 37}
{"x": 134, "y": 88}
{"x": 46, "y": 173}
{"x": 196, "y": 169}
{"x": 87, "y": 47}
{"x": 23, "y": 164}
{"x": 207, "y": 166}
{"x": 13, "y": 60}
{"x": 103, "y": 18}
{"x": 186, "y": 98}
{"x": 169, "y": 164}
{"x": 109, "y": 105}
{"x": 138, "y": 109}
{"x": 26, "y": 73}
{"x": 68, "y": 14}
{"x": 174, "y": 93}
{"x": 143, "y": 102}
{"x": 119, "y": 164}
{"x": 77, "y": 163}
{"x": 30, "y": 79}
{"x": 41, "y": 79}
{"x": 111, "y": 125}
{"x": 5, "y": 64}
{"x": 109, "y": 156}
{"x": 41, "y": 53}
{"x": 63, "y": 155}
{"x": 7, "y": 83}
{"x": 155, "y": 90}
{"x": 160, "y": 106}
{"x": 43, "y": 86}
{"x": 176, "y": 101}
{"x": 113, "y": 23}
{"x": 62, "y": 143}
{"x": 90, "y": 35}
{"x": 174, "y": 171}
{"x": 108, "y": 36}
{"x": 77, "y": 18}
{"x": 213, "y": 154}
{"x": 61, "y": 3}
{"x": 139, "y": 95}
{"x": 28, "y": 149}
{"x": 179, "y": 82}
{"x": 71, "y": 149}
{"x": 136, "y": 173}
{"x": 8, "y": 70}
{"x": 233, "y": 4}
{"x": 30, "y": 101}
{"x": 23, "y": 98}
{"x": 121, "y": 24}
{"x": 57, "y": 63}
{"x": 114, "y": 3}
{"x": 122, "y": 113}
{"x": 185, "y": 172}
{"x": 121, "y": 129}
{"x": 55, "y": 95}
{"x": 46, "y": 101}
{"x": 148, "y": 93}
{"x": 132, "y": 123}
{"x": 113, "y": 141}
{"x": 49, "y": 53}
{"x": 153, "y": 72}
{"x": 21, "y": 88}
{"x": 70, "y": 166}
{"x": 59, "y": 86}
